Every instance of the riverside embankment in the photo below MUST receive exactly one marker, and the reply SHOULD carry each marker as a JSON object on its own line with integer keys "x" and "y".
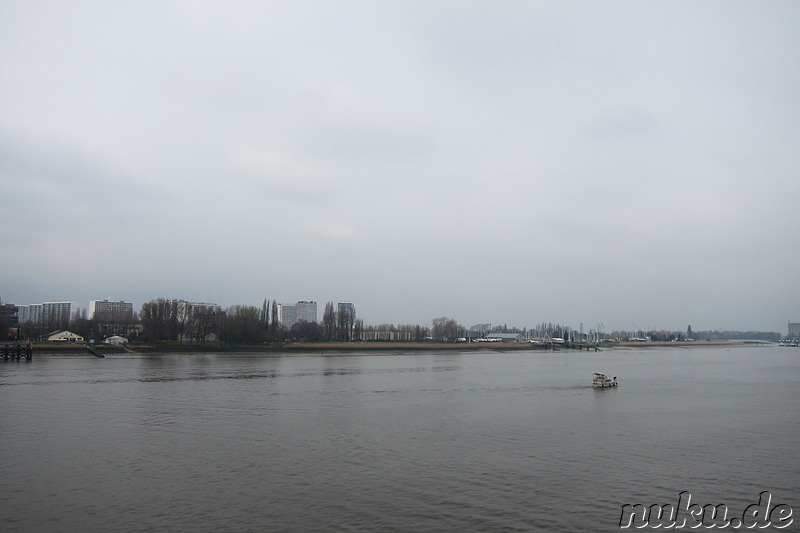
{"x": 339, "y": 347}
{"x": 282, "y": 348}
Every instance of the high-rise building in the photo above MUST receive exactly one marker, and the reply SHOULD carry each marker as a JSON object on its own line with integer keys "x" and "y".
{"x": 188, "y": 310}
{"x": 306, "y": 311}
{"x": 54, "y": 314}
{"x": 794, "y": 330}
{"x": 29, "y": 313}
{"x": 287, "y": 315}
{"x": 110, "y": 311}
{"x": 184, "y": 310}
{"x": 291, "y": 314}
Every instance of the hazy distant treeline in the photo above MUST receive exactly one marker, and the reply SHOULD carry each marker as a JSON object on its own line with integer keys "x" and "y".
{"x": 773, "y": 336}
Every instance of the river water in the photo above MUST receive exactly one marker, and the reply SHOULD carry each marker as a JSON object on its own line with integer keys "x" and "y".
{"x": 436, "y": 441}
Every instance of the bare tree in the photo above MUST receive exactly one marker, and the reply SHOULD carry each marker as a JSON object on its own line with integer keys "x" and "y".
{"x": 160, "y": 320}
{"x": 264, "y": 320}
{"x": 481, "y": 329}
{"x": 274, "y": 332}
{"x": 329, "y": 321}
{"x": 241, "y": 325}
{"x": 303, "y": 330}
{"x": 202, "y": 322}
{"x": 445, "y": 329}
{"x": 345, "y": 320}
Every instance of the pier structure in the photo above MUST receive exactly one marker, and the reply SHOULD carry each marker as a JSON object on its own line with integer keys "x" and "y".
{"x": 584, "y": 345}
{"x": 17, "y": 350}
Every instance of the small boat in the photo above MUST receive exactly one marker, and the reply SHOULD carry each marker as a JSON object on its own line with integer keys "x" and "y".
{"x": 601, "y": 381}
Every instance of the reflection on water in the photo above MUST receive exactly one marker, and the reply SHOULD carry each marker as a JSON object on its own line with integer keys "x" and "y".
{"x": 422, "y": 442}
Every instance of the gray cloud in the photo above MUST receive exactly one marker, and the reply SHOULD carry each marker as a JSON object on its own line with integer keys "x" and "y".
{"x": 620, "y": 162}
{"x": 55, "y": 190}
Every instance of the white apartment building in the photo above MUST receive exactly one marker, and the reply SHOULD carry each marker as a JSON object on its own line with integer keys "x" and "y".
{"x": 110, "y": 310}
{"x": 190, "y": 309}
{"x": 306, "y": 311}
{"x": 291, "y": 314}
{"x": 287, "y": 315}
{"x": 50, "y": 313}
{"x": 185, "y": 310}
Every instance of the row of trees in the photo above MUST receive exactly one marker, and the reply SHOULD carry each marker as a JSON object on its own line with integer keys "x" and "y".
{"x": 165, "y": 320}
{"x": 162, "y": 320}
{"x": 390, "y": 332}
{"x": 340, "y": 325}
{"x": 669, "y": 336}
{"x": 168, "y": 320}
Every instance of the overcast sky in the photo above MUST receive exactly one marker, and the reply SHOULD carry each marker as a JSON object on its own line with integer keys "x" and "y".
{"x": 622, "y": 162}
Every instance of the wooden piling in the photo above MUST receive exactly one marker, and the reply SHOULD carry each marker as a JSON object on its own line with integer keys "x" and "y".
{"x": 17, "y": 350}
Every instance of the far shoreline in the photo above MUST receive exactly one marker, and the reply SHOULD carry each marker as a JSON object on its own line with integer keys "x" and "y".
{"x": 324, "y": 348}
{"x": 687, "y": 344}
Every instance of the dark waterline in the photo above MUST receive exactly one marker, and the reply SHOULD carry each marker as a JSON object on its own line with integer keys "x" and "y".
{"x": 421, "y": 442}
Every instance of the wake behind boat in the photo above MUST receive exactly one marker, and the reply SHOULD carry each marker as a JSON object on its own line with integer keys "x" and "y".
{"x": 601, "y": 381}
